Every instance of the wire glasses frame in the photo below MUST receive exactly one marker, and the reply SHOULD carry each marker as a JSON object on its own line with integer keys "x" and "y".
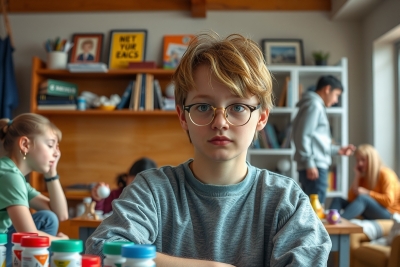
{"x": 229, "y": 112}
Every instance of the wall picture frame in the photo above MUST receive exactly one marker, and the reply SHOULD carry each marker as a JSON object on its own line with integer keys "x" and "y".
{"x": 126, "y": 46}
{"x": 283, "y": 51}
{"x": 87, "y": 48}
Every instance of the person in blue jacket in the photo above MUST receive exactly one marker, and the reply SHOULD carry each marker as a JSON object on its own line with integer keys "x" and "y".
{"x": 312, "y": 136}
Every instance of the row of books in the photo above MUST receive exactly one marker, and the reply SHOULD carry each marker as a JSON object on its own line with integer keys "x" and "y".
{"x": 271, "y": 137}
{"x": 55, "y": 94}
{"x": 144, "y": 93}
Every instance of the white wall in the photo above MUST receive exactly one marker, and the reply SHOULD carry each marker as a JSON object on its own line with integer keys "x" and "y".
{"x": 379, "y": 79}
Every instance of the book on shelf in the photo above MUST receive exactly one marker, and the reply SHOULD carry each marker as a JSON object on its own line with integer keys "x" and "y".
{"x": 126, "y": 96}
{"x": 136, "y": 92}
{"x": 57, "y": 107}
{"x": 158, "y": 95}
{"x": 149, "y": 95}
{"x": 87, "y": 67}
{"x": 173, "y": 49}
{"x": 142, "y": 65}
{"x": 142, "y": 97}
{"x": 58, "y": 88}
{"x": 283, "y": 94}
{"x": 271, "y": 136}
{"x": 55, "y": 97}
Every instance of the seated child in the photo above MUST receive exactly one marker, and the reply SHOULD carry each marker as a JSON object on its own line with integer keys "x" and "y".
{"x": 122, "y": 180}
{"x": 216, "y": 209}
{"x": 30, "y": 143}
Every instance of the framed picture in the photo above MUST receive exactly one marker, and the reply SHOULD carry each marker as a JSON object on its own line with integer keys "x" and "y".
{"x": 126, "y": 46}
{"x": 283, "y": 51}
{"x": 87, "y": 48}
{"x": 174, "y": 48}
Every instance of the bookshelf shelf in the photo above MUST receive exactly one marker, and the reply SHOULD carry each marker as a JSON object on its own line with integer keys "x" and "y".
{"x": 94, "y": 112}
{"x": 290, "y": 82}
{"x": 97, "y": 145}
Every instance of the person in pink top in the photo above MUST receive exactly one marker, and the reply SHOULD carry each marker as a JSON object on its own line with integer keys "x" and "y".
{"x": 122, "y": 180}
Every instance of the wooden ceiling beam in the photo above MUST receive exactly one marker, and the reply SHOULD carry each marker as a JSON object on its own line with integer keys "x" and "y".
{"x": 198, "y": 8}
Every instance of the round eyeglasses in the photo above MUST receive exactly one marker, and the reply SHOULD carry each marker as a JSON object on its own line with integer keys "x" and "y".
{"x": 202, "y": 114}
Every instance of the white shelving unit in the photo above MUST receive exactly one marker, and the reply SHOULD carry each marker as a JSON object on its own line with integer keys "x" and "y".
{"x": 302, "y": 78}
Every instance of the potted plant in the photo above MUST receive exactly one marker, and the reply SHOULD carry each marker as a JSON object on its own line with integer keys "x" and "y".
{"x": 320, "y": 58}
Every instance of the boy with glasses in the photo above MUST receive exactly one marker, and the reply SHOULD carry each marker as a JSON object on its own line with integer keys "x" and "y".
{"x": 216, "y": 209}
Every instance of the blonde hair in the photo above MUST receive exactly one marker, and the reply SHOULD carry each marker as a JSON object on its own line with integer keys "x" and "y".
{"x": 374, "y": 163}
{"x": 27, "y": 124}
{"x": 235, "y": 61}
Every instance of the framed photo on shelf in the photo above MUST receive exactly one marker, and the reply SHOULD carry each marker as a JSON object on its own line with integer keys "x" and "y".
{"x": 173, "y": 49}
{"x": 283, "y": 51}
{"x": 126, "y": 46}
{"x": 87, "y": 48}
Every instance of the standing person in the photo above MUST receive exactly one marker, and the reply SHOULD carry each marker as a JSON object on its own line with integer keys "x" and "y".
{"x": 375, "y": 191}
{"x": 122, "y": 180}
{"x": 30, "y": 142}
{"x": 312, "y": 137}
{"x": 216, "y": 209}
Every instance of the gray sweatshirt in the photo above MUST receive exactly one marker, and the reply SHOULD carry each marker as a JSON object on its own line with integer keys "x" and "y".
{"x": 265, "y": 220}
{"x": 311, "y": 134}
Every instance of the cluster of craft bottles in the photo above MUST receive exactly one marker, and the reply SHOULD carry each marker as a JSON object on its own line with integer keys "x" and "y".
{"x": 31, "y": 250}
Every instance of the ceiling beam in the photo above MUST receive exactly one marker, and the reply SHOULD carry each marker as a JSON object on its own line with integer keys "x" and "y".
{"x": 198, "y": 8}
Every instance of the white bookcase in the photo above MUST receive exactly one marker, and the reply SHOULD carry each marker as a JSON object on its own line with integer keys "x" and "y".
{"x": 295, "y": 80}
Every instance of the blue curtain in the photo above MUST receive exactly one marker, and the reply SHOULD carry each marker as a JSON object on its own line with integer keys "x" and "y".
{"x": 8, "y": 85}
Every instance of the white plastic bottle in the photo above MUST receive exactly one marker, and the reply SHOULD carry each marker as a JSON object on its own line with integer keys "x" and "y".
{"x": 66, "y": 253}
{"x": 17, "y": 249}
{"x": 139, "y": 255}
{"x": 35, "y": 251}
{"x": 112, "y": 251}
{"x": 3, "y": 249}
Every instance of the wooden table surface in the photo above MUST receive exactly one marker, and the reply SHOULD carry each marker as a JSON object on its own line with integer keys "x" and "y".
{"x": 343, "y": 227}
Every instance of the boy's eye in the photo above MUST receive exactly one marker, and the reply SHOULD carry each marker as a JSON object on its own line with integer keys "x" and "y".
{"x": 203, "y": 107}
{"x": 237, "y": 108}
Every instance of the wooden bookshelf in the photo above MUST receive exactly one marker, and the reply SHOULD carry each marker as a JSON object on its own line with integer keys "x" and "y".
{"x": 98, "y": 145}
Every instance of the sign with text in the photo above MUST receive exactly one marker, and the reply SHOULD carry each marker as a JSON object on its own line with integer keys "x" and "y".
{"x": 126, "y": 46}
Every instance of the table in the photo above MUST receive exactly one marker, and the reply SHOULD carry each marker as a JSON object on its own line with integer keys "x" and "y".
{"x": 340, "y": 237}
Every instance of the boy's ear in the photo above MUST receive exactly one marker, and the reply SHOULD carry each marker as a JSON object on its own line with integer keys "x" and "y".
{"x": 262, "y": 120}
{"x": 182, "y": 118}
{"x": 327, "y": 89}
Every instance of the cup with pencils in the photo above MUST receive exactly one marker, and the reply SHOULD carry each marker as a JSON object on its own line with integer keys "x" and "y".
{"x": 57, "y": 53}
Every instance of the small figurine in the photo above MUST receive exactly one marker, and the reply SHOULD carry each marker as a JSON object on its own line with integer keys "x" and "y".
{"x": 333, "y": 216}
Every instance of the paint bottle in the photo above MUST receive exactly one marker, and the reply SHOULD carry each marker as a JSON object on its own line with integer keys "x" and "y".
{"x": 35, "y": 251}
{"x": 17, "y": 249}
{"x": 3, "y": 249}
{"x": 66, "y": 253}
{"x": 112, "y": 251}
{"x": 139, "y": 255}
{"x": 316, "y": 205}
{"x": 91, "y": 261}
